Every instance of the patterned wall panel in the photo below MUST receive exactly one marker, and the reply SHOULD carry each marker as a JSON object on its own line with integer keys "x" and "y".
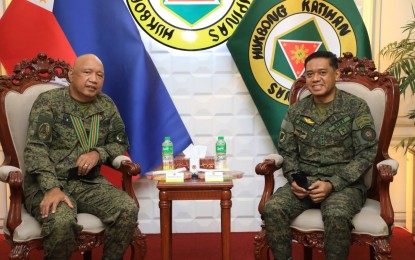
{"x": 212, "y": 100}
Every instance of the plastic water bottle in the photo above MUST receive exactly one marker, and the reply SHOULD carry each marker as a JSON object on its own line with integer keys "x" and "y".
{"x": 167, "y": 154}
{"x": 220, "y": 160}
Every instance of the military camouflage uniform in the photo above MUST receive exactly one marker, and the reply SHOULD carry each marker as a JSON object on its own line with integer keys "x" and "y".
{"x": 52, "y": 149}
{"x": 338, "y": 147}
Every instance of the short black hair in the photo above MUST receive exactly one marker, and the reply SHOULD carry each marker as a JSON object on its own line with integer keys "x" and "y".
{"x": 323, "y": 54}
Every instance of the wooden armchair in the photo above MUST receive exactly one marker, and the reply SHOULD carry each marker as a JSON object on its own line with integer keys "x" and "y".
{"x": 17, "y": 94}
{"x": 374, "y": 223}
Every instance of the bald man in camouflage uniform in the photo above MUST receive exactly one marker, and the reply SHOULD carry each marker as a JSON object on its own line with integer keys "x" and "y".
{"x": 330, "y": 137}
{"x": 62, "y": 177}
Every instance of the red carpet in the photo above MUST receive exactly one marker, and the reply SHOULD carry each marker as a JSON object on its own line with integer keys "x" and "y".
{"x": 208, "y": 246}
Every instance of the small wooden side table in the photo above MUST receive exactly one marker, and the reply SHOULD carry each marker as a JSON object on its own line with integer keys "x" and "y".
{"x": 194, "y": 189}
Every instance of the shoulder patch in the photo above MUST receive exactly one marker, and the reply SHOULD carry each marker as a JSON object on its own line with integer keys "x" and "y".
{"x": 44, "y": 131}
{"x": 363, "y": 120}
{"x": 368, "y": 134}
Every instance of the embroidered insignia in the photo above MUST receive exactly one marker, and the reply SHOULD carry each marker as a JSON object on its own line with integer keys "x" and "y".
{"x": 282, "y": 137}
{"x": 44, "y": 131}
{"x": 120, "y": 138}
{"x": 307, "y": 126}
{"x": 301, "y": 133}
{"x": 66, "y": 120}
{"x": 322, "y": 140}
{"x": 308, "y": 120}
{"x": 363, "y": 120}
{"x": 368, "y": 134}
{"x": 339, "y": 123}
{"x": 343, "y": 130}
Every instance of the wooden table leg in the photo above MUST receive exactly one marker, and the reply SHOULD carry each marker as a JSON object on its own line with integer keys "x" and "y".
{"x": 165, "y": 226}
{"x": 226, "y": 205}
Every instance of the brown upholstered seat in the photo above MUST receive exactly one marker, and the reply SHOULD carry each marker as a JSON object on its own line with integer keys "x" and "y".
{"x": 374, "y": 223}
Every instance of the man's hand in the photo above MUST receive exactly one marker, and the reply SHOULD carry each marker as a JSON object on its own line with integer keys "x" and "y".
{"x": 301, "y": 193}
{"x": 320, "y": 190}
{"x": 86, "y": 162}
{"x": 51, "y": 199}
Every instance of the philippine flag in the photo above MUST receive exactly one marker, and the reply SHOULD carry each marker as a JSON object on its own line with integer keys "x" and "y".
{"x": 66, "y": 29}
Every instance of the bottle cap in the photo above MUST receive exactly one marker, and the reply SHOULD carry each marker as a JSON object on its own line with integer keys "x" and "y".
{"x": 220, "y": 138}
{"x": 167, "y": 138}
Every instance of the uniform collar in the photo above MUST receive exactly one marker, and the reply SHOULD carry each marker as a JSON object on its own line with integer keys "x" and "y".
{"x": 310, "y": 109}
{"x": 71, "y": 106}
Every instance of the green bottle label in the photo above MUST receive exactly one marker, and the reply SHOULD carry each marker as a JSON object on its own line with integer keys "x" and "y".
{"x": 167, "y": 149}
{"x": 221, "y": 149}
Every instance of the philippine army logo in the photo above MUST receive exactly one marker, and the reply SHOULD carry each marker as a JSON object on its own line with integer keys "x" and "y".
{"x": 287, "y": 33}
{"x": 189, "y": 24}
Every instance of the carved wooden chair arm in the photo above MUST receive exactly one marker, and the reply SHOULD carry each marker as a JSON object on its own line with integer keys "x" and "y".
{"x": 392, "y": 171}
{"x": 267, "y": 169}
{"x": 14, "y": 177}
{"x": 387, "y": 169}
{"x": 124, "y": 163}
{"x": 128, "y": 169}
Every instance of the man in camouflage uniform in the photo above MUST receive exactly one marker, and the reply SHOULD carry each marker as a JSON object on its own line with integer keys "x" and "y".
{"x": 330, "y": 137}
{"x": 63, "y": 164}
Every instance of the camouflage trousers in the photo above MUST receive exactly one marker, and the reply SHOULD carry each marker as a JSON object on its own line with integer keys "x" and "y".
{"x": 113, "y": 206}
{"x": 337, "y": 211}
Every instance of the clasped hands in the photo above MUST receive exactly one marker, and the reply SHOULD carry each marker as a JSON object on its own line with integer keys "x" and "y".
{"x": 54, "y": 196}
{"x": 318, "y": 191}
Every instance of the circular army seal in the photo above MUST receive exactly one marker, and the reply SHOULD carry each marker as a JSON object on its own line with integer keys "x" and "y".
{"x": 189, "y": 25}
{"x": 290, "y": 31}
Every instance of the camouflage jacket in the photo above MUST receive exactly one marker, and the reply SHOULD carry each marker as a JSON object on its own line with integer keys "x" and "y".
{"x": 52, "y": 143}
{"x": 338, "y": 147}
